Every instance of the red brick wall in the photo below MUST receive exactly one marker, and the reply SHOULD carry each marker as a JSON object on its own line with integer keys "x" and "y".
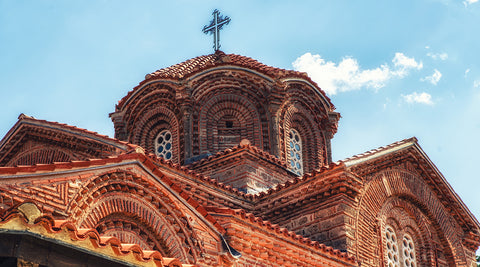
{"x": 216, "y": 109}
{"x": 402, "y": 196}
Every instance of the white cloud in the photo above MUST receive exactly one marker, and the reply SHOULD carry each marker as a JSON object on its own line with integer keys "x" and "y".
{"x": 466, "y": 72}
{"x": 476, "y": 83}
{"x": 434, "y": 78}
{"x": 440, "y": 56}
{"x": 403, "y": 62}
{"x": 420, "y": 98}
{"x": 469, "y": 2}
{"x": 347, "y": 75}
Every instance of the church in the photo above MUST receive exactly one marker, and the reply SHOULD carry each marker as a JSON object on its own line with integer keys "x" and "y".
{"x": 223, "y": 161}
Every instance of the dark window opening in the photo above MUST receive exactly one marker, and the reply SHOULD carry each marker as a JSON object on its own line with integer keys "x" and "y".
{"x": 229, "y": 124}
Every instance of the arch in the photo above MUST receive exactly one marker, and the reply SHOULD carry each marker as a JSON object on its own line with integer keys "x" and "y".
{"x": 151, "y": 95}
{"x": 410, "y": 191}
{"x": 151, "y": 109}
{"x": 214, "y": 133}
{"x": 153, "y": 123}
{"x": 244, "y": 80}
{"x": 125, "y": 223}
{"x": 295, "y": 115}
{"x": 123, "y": 197}
{"x": 41, "y": 154}
{"x": 244, "y": 90}
{"x": 410, "y": 221}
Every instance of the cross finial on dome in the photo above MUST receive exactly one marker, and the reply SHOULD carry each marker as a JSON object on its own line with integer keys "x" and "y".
{"x": 214, "y": 28}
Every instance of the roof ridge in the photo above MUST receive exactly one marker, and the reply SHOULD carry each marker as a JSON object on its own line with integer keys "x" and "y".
{"x": 298, "y": 179}
{"x": 378, "y": 150}
{"x": 219, "y": 58}
{"x": 242, "y": 145}
{"x": 64, "y": 165}
{"x": 241, "y": 213}
{"x": 23, "y": 117}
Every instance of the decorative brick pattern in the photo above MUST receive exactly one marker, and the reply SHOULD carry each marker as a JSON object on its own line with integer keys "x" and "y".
{"x": 32, "y": 141}
{"x": 224, "y": 120}
{"x": 152, "y": 110}
{"x": 211, "y": 103}
{"x": 241, "y": 197}
{"x": 406, "y": 185}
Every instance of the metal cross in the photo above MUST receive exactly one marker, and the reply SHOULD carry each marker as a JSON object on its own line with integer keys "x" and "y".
{"x": 214, "y": 28}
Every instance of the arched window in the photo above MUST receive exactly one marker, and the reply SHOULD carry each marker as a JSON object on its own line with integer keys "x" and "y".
{"x": 392, "y": 247}
{"x": 163, "y": 145}
{"x": 395, "y": 257}
{"x": 408, "y": 248}
{"x": 295, "y": 152}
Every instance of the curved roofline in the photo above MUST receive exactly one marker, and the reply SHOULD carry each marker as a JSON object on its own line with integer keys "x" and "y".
{"x": 191, "y": 68}
{"x": 315, "y": 87}
{"x": 230, "y": 66}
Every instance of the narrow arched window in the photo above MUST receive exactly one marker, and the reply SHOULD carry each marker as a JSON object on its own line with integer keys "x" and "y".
{"x": 408, "y": 248}
{"x": 164, "y": 145}
{"x": 295, "y": 152}
{"x": 391, "y": 250}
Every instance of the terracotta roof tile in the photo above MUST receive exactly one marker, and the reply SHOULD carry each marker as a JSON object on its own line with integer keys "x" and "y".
{"x": 298, "y": 179}
{"x": 219, "y": 58}
{"x": 148, "y": 162}
{"x": 237, "y": 148}
{"x": 242, "y": 214}
{"x": 34, "y": 223}
{"x": 378, "y": 151}
{"x": 24, "y": 119}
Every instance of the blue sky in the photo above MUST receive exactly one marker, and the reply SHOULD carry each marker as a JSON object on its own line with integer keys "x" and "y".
{"x": 393, "y": 69}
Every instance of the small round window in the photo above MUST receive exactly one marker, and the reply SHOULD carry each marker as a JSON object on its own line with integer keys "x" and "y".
{"x": 163, "y": 144}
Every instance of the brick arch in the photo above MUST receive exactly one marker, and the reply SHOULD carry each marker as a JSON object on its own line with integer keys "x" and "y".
{"x": 132, "y": 230}
{"x": 214, "y": 112}
{"x": 244, "y": 85}
{"x": 41, "y": 155}
{"x": 123, "y": 192}
{"x": 150, "y": 95}
{"x": 295, "y": 115}
{"x": 154, "y": 234}
{"x": 408, "y": 218}
{"x": 408, "y": 186}
{"x": 316, "y": 104}
{"x": 152, "y": 123}
{"x": 154, "y": 97}
{"x": 246, "y": 81}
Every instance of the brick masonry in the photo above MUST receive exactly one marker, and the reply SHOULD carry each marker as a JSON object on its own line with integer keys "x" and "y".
{"x": 230, "y": 117}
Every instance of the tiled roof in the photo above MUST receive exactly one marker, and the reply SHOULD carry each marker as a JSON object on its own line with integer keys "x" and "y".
{"x": 148, "y": 161}
{"x": 187, "y": 68}
{"x": 440, "y": 183}
{"x": 28, "y": 120}
{"x": 255, "y": 150}
{"x": 275, "y": 229}
{"x": 374, "y": 153}
{"x": 296, "y": 180}
{"x": 27, "y": 217}
{"x": 220, "y": 58}
{"x": 200, "y": 177}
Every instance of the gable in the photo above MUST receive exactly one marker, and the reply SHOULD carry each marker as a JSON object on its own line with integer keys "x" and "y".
{"x": 405, "y": 191}
{"x": 32, "y": 141}
{"x": 124, "y": 196}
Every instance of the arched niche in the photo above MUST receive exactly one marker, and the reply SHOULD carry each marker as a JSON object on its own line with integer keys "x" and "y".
{"x": 123, "y": 200}
{"x": 413, "y": 194}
